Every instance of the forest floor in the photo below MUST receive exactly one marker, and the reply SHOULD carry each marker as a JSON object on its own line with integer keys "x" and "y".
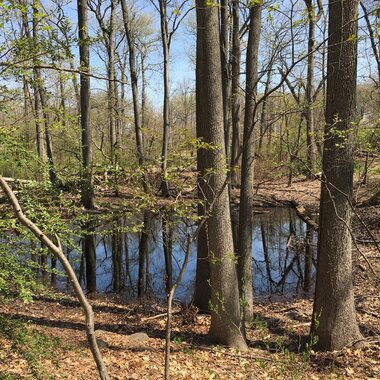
{"x": 275, "y": 335}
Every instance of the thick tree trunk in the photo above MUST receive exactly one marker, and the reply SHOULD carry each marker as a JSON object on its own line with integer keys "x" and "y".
{"x": 224, "y": 46}
{"x": 334, "y": 319}
{"x": 225, "y": 313}
{"x": 247, "y": 175}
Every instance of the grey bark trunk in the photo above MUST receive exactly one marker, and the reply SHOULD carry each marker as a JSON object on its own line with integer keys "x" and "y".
{"x": 112, "y": 89}
{"x": 309, "y": 110}
{"x": 334, "y": 319}
{"x": 247, "y": 174}
{"x": 135, "y": 93}
{"x": 225, "y": 313}
{"x": 224, "y": 45}
{"x": 87, "y": 195}
{"x": 166, "y": 125}
{"x": 235, "y": 95}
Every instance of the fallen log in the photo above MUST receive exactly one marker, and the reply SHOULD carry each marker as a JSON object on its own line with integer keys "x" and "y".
{"x": 304, "y": 215}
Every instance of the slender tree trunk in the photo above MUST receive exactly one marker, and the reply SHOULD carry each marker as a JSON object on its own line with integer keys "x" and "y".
{"x": 62, "y": 107}
{"x": 309, "y": 110}
{"x": 36, "y": 106}
{"x": 334, "y": 319}
{"x": 264, "y": 112}
{"x": 37, "y": 120}
{"x": 40, "y": 93}
{"x": 247, "y": 175}
{"x": 225, "y": 313}
{"x": 87, "y": 195}
{"x": 235, "y": 95}
{"x": 135, "y": 92}
{"x": 166, "y": 123}
{"x": 112, "y": 88}
{"x": 143, "y": 92}
{"x": 374, "y": 42}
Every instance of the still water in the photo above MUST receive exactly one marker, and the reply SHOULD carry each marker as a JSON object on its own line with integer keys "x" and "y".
{"x": 283, "y": 258}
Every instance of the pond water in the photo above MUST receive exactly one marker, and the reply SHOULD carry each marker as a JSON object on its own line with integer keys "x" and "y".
{"x": 283, "y": 255}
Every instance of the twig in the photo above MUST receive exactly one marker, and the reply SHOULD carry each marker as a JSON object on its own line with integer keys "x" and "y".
{"x": 56, "y": 250}
{"x": 170, "y": 302}
{"x": 158, "y": 316}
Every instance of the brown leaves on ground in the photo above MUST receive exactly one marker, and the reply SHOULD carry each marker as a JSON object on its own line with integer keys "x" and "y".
{"x": 275, "y": 339}
{"x": 276, "y": 336}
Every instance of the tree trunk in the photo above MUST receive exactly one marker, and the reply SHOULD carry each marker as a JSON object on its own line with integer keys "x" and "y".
{"x": 112, "y": 89}
{"x": 247, "y": 175}
{"x": 40, "y": 93}
{"x": 135, "y": 93}
{"x": 235, "y": 95}
{"x": 225, "y": 313}
{"x": 309, "y": 110}
{"x": 334, "y": 319}
{"x": 87, "y": 195}
{"x": 36, "y": 106}
{"x": 224, "y": 46}
{"x": 264, "y": 112}
{"x": 166, "y": 125}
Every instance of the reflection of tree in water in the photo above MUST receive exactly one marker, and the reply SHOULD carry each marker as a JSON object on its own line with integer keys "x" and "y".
{"x": 282, "y": 252}
{"x": 146, "y": 262}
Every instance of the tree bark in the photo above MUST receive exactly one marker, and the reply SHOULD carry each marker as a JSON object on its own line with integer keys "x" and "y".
{"x": 225, "y": 309}
{"x": 224, "y": 46}
{"x": 112, "y": 88}
{"x": 40, "y": 94}
{"x": 235, "y": 95}
{"x": 309, "y": 109}
{"x": 166, "y": 124}
{"x": 87, "y": 194}
{"x": 247, "y": 175}
{"x": 334, "y": 319}
{"x": 135, "y": 93}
